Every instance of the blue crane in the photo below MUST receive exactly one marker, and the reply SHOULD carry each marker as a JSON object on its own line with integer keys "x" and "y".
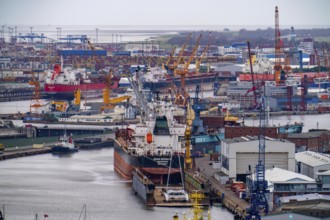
{"x": 259, "y": 185}
{"x": 31, "y": 36}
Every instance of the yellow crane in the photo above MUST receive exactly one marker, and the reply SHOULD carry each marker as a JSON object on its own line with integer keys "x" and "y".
{"x": 183, "y": 96}
{"x": 198, "y": 62}
{"x": 173, "y": 66}
{"x": 187, "y": 134}
{"x": 36, "y": 102}
{"x": 64, "y": 106}
{"x": 184, "y": 71}
{"x": 110, "y": 103}
{"x": 169, "y": 58}
{"x": 93, "y": 48}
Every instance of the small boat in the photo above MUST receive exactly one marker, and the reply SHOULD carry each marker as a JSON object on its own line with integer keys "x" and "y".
{"x": 295, "y": 128}
{"x": 65, "y": 144}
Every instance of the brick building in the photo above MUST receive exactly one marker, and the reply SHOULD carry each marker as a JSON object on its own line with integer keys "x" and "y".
{"x": 317, "y": 141}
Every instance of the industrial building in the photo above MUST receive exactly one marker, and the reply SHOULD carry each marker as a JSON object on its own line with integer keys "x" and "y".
{"x": 281, "y": 102}
{"x": 317, "y": 141}
{"x": 238, "y": 154}
{"x": 282, "y": 182}
{"x": 311, "y": 163}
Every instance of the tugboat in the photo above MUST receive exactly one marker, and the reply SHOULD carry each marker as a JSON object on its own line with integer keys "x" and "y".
{"x": 291, "y": 128}
{"x": 65, "y": 144}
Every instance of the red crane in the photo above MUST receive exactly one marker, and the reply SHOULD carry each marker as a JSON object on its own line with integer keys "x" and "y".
{"x": 255, "y": 86}
{"x": 278, "y": 48}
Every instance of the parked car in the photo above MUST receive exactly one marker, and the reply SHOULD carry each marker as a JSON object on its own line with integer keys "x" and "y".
{"x": 176, "y": 196}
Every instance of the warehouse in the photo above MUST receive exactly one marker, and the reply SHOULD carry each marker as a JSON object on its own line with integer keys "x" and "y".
{"x": 310, "y": 163}
{"x": 238, "y": 154}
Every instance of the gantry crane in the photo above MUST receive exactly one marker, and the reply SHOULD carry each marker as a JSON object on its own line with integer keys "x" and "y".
{"x": 198, "y": 62}
{"x": 174, "y": 65}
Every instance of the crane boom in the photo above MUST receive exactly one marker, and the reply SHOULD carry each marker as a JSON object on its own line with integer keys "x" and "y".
{"x": 175, "y": 64}
{"x": 170, "y": 57}
{"x": 198, "y": 62}
{"x": 254, "y": 86}
{"x": 144, "y": 104}
{"x": 278, "y": 48}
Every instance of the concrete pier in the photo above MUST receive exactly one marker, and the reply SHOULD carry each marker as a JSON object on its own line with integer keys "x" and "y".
{"x": 23, "y": 152}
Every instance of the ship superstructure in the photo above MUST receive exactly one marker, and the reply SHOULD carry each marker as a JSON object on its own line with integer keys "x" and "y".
{"x": 153, "y": 145}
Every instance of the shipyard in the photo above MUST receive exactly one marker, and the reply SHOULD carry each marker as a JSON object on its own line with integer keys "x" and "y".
{"x": 116, "y": 121}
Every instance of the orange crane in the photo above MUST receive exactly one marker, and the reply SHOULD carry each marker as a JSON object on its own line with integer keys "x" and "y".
{"x": 198, "y": 62}
{"x": 173, "y": 66}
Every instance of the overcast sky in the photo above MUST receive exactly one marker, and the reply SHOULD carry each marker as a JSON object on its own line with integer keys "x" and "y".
{"x": 164, "y": 12}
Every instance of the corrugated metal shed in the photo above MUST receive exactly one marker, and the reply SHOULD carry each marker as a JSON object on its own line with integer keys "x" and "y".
{"x": 312, "y": 159}
{"x": 314, "y": 196}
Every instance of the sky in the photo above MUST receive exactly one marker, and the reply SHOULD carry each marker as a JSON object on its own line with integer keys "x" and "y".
{"x": 165, "y": 12}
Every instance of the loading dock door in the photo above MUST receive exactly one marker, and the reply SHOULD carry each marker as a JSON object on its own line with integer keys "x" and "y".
{"x": 243, "y": 160}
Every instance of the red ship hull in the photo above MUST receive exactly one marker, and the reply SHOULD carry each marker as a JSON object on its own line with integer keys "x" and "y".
{"x": 62, "y": 91}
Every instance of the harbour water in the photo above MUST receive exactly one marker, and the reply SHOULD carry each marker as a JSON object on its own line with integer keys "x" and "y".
{"x": 59, "y": 187}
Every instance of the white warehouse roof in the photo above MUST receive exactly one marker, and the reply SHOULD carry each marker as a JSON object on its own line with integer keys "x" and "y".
{"x": 280, "y": 175}
{"x": 312, "y": 159}
{"x": 313, "y": 196}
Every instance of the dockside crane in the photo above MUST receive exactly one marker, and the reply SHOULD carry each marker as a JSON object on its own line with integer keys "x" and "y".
{"x": 199, "y": 61}
{"x": 174, "y": 65}
{"x": 255, "y": 86}
{"x": 148, "y": 112}
{"x": 170, "y": 57}
{"x": 259, "y": 186}
{"x": 36, "y": 102}
{"x": 184, "y": 71}
{"x": 107, "y": 102}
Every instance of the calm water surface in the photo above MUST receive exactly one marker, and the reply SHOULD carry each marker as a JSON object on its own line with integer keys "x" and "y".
{"x": 60, "y": 186}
